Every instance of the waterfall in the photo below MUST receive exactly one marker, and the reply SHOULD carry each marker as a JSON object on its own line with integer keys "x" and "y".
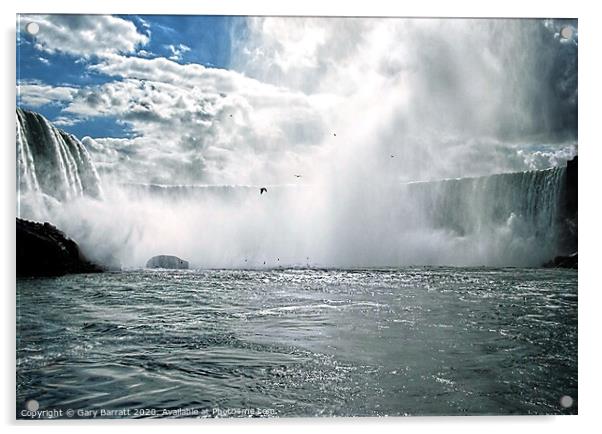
{"x": 509, "y": 219}
{"x": 52, "y": 165}
{"x": 468, "y": 205}
{"x": 505, "y": 219}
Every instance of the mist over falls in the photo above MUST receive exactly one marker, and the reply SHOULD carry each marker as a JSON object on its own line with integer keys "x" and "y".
{"x": 507, "y": 219}
{"x": 415, "y": 142}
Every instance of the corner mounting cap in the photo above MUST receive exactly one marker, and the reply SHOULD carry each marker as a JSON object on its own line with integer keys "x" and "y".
{"x": 32, "y": 28}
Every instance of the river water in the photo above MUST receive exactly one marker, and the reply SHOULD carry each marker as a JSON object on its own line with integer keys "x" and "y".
{"x": 297, "y": 342}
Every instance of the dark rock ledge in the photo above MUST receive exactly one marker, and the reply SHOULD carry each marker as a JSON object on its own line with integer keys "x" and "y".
{"x": 569, "y": 261}
{"x": 569, "y": 217}
{"x": 43, "y": 250}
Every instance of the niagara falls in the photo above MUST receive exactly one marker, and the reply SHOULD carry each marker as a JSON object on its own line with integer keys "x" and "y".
{"x": 231, "y": 216}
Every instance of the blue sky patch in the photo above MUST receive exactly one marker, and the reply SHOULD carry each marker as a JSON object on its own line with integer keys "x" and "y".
{"x": 204, "y": 40}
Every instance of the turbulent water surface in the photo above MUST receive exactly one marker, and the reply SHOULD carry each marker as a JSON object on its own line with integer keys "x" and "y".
{"x": 299, "y": 342}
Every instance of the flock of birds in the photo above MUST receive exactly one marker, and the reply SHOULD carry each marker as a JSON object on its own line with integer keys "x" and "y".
{"x": 278, "y": 262}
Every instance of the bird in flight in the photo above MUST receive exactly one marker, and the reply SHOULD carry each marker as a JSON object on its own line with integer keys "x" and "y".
{"x": 297, "y": 176}
{"x": 335, "y": 134}
{"x": 263, "y": 190}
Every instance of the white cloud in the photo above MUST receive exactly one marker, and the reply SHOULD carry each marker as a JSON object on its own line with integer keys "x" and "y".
{"x": 65, "y": 121}
{"x": 37, "y": 94}
{"x": 164, "y": 70}
{"x": 177, "y": 51}
{"x": 144, "y": 23}
{"x": 144, "y": 53}
{"x": 440, "y": 110}
{"x": 543, "y": 156}
{"x": 85, "y": 35}
{"x": 195, "y": 124}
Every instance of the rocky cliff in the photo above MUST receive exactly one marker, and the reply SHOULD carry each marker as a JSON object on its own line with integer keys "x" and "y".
{"x": 43, "y": 250}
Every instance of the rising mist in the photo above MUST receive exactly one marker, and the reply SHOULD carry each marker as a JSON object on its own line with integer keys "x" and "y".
{"x": 372, "y": 107}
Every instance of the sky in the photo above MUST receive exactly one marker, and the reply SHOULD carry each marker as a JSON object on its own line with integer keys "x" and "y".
{"x": 254, "y": 100}
{"x": 207, "y": 42}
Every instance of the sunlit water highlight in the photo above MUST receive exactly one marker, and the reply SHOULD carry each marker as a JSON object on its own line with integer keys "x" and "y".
{"x": 301, "y": 342}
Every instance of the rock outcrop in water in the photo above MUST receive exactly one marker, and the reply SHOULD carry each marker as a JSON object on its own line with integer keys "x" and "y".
{"x": 570, "y": 206}
{"x": 43, "y": 250}
{"x": 569, "y": 261}
{"x": 167, "y": 261}
{"x": 572, "y": 174}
